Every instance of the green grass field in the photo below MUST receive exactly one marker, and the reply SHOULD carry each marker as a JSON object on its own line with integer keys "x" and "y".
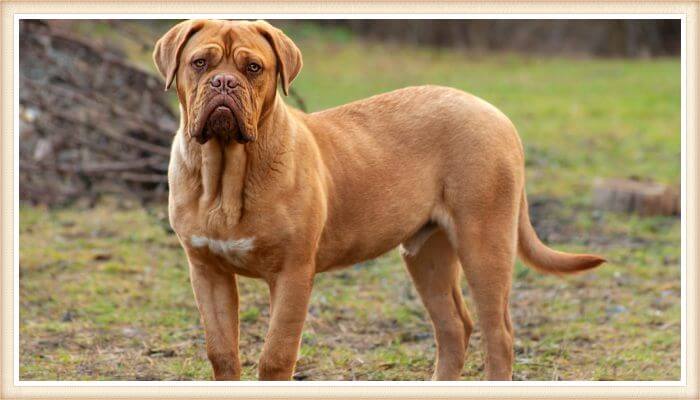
{"x": 105, "y": 295}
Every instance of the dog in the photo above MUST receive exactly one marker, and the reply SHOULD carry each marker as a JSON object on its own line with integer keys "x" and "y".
{"x": 260, "y": 189}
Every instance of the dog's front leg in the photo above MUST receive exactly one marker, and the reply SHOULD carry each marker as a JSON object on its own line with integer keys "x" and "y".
{"x": 216, "y": 294}
{"x": 290, "y": 291}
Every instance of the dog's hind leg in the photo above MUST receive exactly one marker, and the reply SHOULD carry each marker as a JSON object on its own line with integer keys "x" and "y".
{"x": 434, "y": 268}
{"x": 487, "y": 250}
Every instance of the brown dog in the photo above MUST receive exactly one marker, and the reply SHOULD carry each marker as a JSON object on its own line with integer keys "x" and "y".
{"x": 263, "y": 190}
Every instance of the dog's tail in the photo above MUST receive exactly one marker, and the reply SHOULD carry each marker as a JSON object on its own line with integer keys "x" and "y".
{"x": 534, "y": 253}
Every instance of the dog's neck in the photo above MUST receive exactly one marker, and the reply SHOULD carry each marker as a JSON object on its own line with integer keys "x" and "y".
{"x": 232, "y": 175}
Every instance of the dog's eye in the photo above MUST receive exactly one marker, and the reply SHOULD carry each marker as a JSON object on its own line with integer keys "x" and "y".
{"x": 254, "y": 68}
{"x": 199, "y": 63}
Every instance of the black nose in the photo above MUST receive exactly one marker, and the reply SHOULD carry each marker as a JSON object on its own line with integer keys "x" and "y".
{"x": 223, "y": 83}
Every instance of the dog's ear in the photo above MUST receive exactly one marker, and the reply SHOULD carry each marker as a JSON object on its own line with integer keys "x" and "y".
{"x": 289, "y": 60}
{"x": 166, "y": 54}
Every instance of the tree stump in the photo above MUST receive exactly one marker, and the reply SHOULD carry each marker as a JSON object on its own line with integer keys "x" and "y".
{"x": 635, "y": 196}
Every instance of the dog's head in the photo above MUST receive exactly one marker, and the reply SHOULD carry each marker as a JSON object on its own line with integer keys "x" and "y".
{"x": 226, "y": 74}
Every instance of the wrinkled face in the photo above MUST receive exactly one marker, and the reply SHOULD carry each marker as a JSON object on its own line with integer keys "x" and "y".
{"x": 226, "y": 74}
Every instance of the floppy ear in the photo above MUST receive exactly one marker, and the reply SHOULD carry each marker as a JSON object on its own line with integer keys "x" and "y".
{"x": 289, "y": 60}
{"x": 166, "y": 54}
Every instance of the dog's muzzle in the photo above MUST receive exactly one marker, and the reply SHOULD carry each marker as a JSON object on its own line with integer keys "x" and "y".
{"x": 220, "y": 119}
{"x": 221, "y": 123}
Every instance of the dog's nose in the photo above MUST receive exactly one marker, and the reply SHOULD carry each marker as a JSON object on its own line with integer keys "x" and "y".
{"x": 223, "y": 83}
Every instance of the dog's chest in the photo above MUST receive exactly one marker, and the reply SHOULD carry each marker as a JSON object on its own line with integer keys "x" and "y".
{"x": 209, "y": 235}
{"x": 235, "y": 252}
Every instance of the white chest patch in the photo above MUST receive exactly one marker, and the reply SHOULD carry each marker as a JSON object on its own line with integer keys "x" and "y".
{"x": 234, "y": 251}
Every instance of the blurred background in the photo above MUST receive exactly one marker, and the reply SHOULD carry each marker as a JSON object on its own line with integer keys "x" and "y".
{"x": 104, "y": 288}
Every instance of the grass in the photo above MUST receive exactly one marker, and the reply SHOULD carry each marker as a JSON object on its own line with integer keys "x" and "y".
{"x": 105, "y": 295}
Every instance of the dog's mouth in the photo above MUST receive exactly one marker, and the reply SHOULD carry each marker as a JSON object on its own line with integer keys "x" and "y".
{"x": 221, "y": 121}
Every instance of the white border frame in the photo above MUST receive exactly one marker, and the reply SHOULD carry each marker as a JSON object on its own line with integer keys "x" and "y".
{"x": 314, "y": 16}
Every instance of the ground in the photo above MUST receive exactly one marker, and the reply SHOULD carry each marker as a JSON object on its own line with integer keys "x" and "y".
{"x": 104, "y": 292}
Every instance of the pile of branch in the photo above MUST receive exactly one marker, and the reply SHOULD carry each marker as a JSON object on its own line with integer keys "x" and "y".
{"x": 90, "y": 123}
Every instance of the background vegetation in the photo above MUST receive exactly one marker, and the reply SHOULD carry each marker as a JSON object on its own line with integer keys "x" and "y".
{"x": 104, "y": 291}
